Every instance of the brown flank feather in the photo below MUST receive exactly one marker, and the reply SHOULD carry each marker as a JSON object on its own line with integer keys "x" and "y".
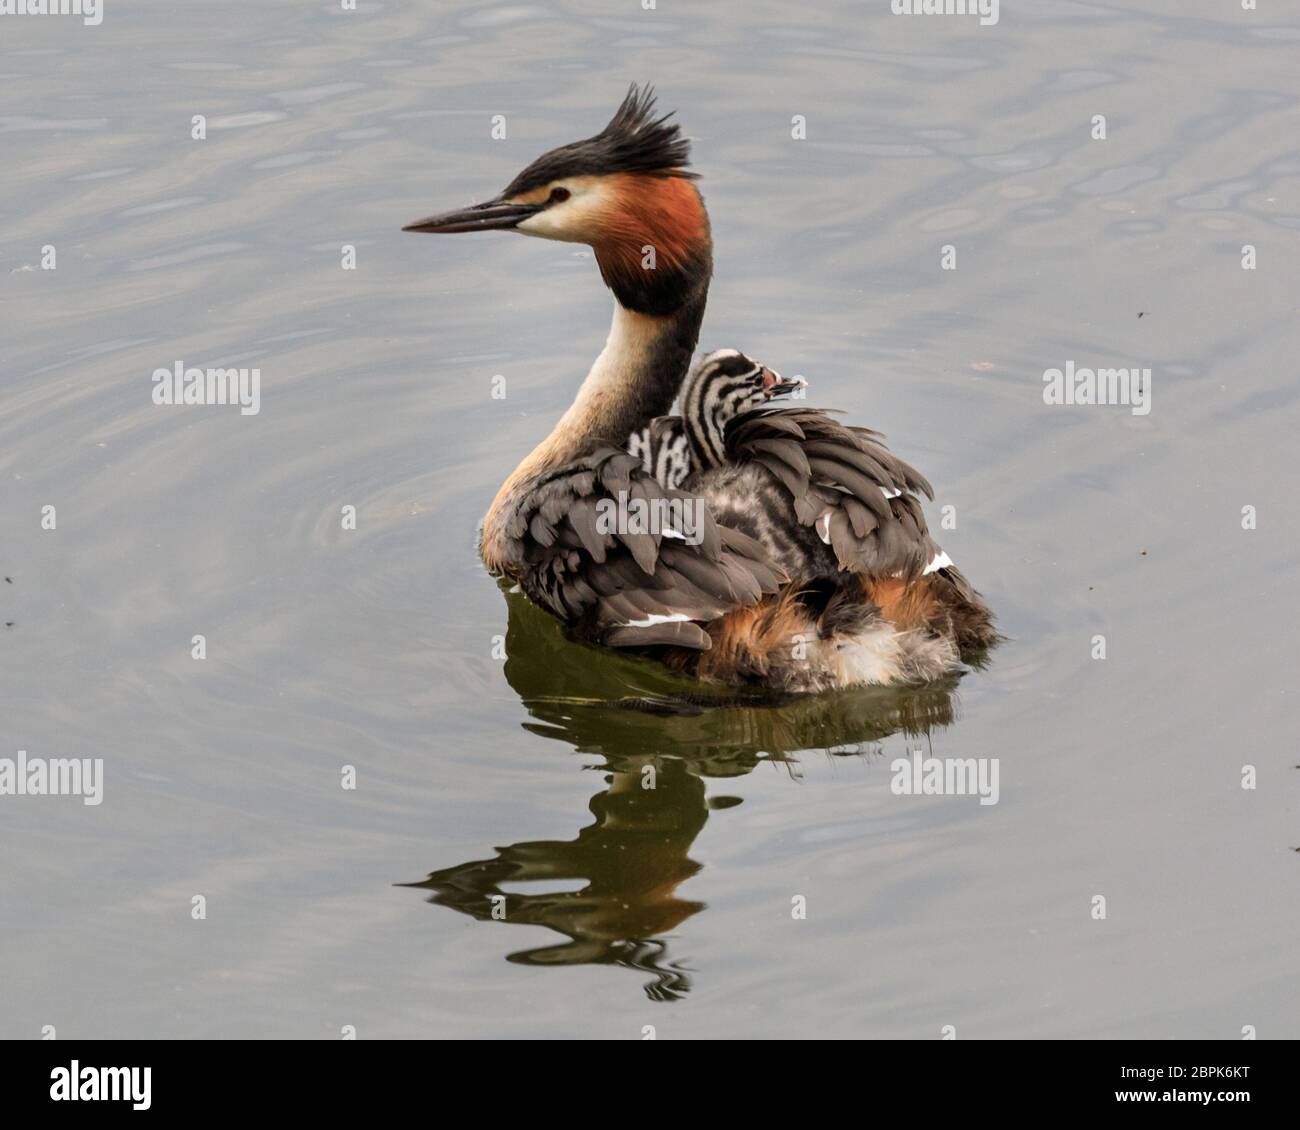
{"x": 750, "y": 643}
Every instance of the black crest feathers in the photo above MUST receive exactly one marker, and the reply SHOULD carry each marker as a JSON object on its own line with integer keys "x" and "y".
{"x": 634, "y": 141}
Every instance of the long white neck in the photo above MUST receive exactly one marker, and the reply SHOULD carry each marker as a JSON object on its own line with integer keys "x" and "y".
{"x": 634, "y": 379}
{"x": 622, "y": 383}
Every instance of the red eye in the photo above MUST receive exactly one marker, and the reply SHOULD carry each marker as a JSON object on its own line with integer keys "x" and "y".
{"x": 559, "y": 195}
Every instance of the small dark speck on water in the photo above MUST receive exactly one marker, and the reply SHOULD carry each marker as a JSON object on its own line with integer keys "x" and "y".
{"x": 1142, "y": 313}
{"x": 1143, "y": 553}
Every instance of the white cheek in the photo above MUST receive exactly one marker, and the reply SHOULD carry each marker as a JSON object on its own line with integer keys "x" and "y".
{"x": 549, "y": 225}
{"x": 575, "y": 221}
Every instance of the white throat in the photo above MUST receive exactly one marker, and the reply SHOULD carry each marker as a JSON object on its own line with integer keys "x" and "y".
{"x": 620, "y": 365}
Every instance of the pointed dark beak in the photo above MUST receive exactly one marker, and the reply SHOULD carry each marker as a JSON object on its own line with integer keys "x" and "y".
{"x": 495, "y": 215}
{"x": 776, "y": 385}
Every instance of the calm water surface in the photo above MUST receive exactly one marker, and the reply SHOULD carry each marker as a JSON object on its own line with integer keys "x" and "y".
{"x": 375, "y": 648}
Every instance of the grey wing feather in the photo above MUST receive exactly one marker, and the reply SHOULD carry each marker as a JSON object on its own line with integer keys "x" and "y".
{"x": 628, "y": 589}
{"x": 843, "y": 483}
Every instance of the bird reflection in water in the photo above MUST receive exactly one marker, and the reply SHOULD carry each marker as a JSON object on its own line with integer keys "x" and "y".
{"x": 657, "y": 739}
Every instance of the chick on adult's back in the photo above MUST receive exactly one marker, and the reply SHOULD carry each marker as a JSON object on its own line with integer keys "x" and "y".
{"x": 809, "y": 565}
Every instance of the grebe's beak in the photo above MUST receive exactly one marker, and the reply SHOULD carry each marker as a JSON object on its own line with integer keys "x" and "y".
{"x": 776, "y": 385}
{"x": 494, "y": 215}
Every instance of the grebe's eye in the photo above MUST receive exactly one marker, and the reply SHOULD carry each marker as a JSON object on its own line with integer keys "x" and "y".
{"x": 558, "y": 196}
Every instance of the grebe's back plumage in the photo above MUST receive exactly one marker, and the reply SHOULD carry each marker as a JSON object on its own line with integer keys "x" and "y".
{"x": 811, "y": 566}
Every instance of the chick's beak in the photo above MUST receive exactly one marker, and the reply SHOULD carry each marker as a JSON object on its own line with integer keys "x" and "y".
{"x": 494, "y": 215}
{"x": 776, "y": 385}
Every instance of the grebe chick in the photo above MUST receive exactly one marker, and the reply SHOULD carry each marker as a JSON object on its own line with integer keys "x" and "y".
{"x": 723, "y": 386}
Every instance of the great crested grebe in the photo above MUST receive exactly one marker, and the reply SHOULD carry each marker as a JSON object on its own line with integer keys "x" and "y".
{"x": 810, "y": 566}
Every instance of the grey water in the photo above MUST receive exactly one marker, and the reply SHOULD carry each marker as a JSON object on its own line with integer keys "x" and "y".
{"x": 772, "y": 884}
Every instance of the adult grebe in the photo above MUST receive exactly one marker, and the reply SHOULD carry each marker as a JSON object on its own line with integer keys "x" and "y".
{"x": 810, "y": 565}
